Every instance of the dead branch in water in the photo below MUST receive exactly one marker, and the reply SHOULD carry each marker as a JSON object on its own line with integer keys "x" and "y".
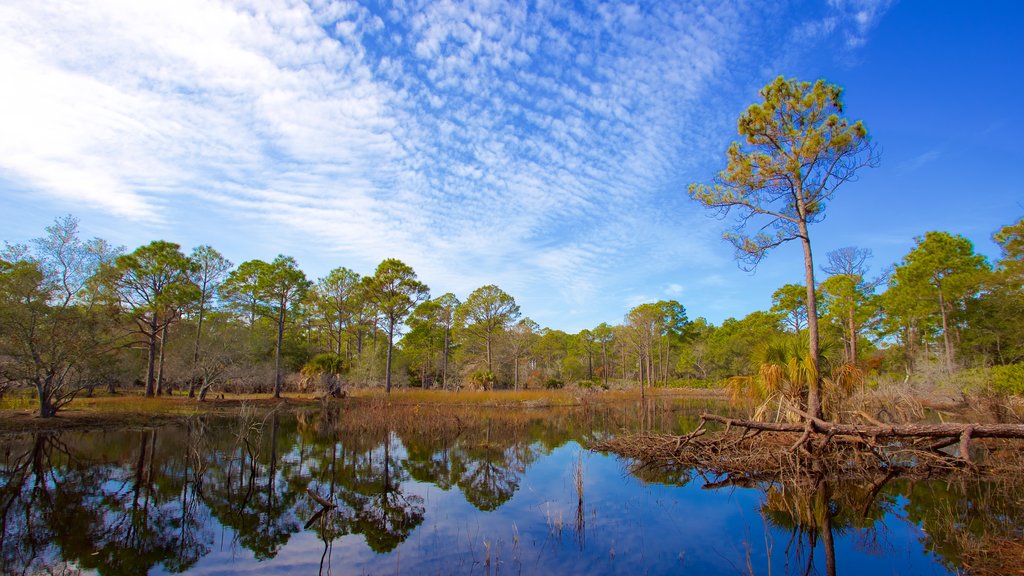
{"x": 868, "y": 435}
{"x": 764, "y": 451}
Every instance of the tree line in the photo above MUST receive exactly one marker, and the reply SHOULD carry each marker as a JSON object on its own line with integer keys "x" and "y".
{"x": 76, "y": 315}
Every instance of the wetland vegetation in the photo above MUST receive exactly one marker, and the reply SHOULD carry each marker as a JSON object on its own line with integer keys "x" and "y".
{"x": 369, "y": 486}
{"x": 168, "y": 412}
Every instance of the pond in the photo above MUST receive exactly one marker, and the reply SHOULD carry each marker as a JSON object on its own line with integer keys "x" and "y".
{"x": 418, "y": 490}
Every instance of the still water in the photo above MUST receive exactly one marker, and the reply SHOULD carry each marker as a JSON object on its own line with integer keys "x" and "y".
{"x": 338, "y": 492}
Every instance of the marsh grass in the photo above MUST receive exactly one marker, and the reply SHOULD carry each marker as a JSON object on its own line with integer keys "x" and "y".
{"x": 19, "y": 413}
{"x": 520, "y": 398}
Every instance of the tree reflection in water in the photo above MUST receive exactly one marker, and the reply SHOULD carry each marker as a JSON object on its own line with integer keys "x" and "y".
{"x": 134, "y": 501}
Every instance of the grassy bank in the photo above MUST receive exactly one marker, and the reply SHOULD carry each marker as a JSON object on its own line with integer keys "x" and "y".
{"x": 18, "y": 413}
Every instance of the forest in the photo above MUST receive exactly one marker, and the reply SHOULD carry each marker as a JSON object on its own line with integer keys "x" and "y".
{"x": 80, "y": 315}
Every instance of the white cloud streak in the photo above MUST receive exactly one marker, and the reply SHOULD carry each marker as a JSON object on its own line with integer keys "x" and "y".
{"x": 526, "y": 144}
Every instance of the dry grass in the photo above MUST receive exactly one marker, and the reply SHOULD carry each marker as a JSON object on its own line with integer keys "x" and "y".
{"x": 17, "y": 415}
{"x": 437, "y": 409}
{"x": 522, "y": 398}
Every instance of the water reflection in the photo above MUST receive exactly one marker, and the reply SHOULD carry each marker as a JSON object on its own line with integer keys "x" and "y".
{"x": 436, "y": 493}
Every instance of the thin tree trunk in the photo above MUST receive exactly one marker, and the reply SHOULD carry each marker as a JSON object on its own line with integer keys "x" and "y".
{"x": 277, "y": 351}
{"x": 160, "y": 365}
{"x": 604, "y": 362}
{"x": 622, "y": 350}
{"x": 151, "y": 359}
{"x": 341, "y": 331}
{"x": 444, "y": 361}
{"x": 853, "y": 339}
{"x": 391, "y": 345}
{"x": 827, "y": 539}
{"x": 488, "y": 341}
{"x": 199, "y": 334}
{"x": 814, "y": 386}
{"x": 590, "y": 365}
{"x": 945, "y": 334}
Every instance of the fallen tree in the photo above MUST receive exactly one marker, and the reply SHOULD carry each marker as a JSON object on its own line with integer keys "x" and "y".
{"x": 751, "y": 451}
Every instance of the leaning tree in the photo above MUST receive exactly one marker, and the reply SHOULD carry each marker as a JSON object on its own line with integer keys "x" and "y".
{"x": 797, "y": 150}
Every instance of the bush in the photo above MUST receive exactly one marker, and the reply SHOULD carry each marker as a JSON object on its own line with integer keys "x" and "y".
{"x": 694, "y": 383}
{"x": 1006, "y": 379}
{"x": 326, "y": 363}
{"x": 1009, "y": 378}
{"x": 553, "y": 384}
{"x": 482, "y": 380}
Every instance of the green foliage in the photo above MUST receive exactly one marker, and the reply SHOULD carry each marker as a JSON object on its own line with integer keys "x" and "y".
{"x": 553, "y": 384}
{"x": 55, "y": 332}
{"x": 482, "y": 379}
{"x": 394, "y": 291}
{"x": 797, "y": 149}
{"x": 696, "y": 383}
{"x": 1008, "y": 378}
{"x": 790, "y": 301}
{"x": 325, "y": 363}
{"x": 487, "y": 311}
{"x": 1005, "y": 379}
{"x": 930, "y": 288}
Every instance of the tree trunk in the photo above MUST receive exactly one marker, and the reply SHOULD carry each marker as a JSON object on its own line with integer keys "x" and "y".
{"x": 622, "y": 350}
{"x": 822, "y": 505}
{"x": 199, "y": 334}
{"x": 604, "y": 362}
{"x": 516, "y": 371}
{"x": 151, "y": 358}
{"x": 945, "y": 334}
{"x": 488, "y": 340}
{"x": 444, "y": 362}
{"x": 277, "y": 350}
{"x": 160, "y": 364}
{"x": 853, "y": 338}
{"x": 341, "y": 331}
{"x": 45, "y": 405}
{"x": 391, "y": 346}
{"x": 814, "y": 386}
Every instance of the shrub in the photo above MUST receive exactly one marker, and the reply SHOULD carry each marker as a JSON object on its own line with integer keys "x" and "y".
{"x": 1008, "y": 378}
{"x": 326, "y": 363}
{"x": 553, "y": 384}
{"x": 482, "y": 380}
{"x": 1005, "y": 379}
{"x": 694, "y": 383}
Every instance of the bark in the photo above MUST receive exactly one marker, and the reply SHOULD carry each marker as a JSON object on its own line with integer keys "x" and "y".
{"x": 853, "y": 338}
{"x": 819, "y": 426}
{"x": 444, "y": 362}
{"x": 814, "y": 386}
{"x": 945, "y": 334}
{"x": 391, "y": 346}
{"x": 160, "y": 364}
{"x": 151, "y": 358}
{"x": 604, "y": 361}
{"x": 277, "y": 351}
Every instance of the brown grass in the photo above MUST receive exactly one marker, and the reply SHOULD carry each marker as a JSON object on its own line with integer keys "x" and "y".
{"x": 131, "y": 410}
{"x": 449, "y": 410}
{"x": 523, "y": 398}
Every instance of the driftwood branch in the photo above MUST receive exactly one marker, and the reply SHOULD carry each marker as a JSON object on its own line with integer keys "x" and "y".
{"x": 762, "y": 451}
{"x": 963, "y": 431}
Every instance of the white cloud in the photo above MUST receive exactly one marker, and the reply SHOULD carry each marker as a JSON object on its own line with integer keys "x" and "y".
{"x": 484, "y": 142}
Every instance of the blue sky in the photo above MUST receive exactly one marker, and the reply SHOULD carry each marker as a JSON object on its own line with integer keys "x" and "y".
{"x": 541, "y": 146}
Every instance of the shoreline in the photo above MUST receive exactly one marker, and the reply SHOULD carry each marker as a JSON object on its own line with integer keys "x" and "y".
{"x": 131, "y": 410}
